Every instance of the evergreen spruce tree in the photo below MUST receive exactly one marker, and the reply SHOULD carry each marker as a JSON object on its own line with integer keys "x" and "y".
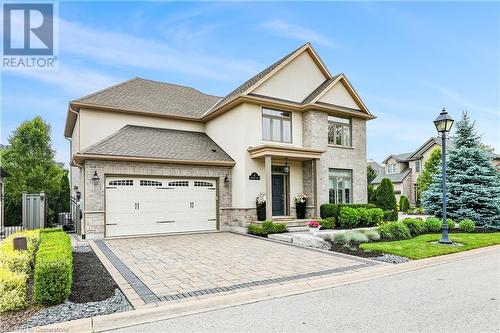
{"x": 473, "y": 184}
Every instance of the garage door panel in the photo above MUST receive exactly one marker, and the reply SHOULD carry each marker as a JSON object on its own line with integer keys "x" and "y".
{"x": 147, "y": 206}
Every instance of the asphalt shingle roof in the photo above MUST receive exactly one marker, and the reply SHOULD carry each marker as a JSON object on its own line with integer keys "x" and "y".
{"x": 149, "y": 142}
{"x": 152, "y": 96}
{"x": 393, "y": 177}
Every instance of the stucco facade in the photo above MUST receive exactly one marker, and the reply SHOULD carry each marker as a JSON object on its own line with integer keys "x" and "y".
{"x": 235, "y": 124}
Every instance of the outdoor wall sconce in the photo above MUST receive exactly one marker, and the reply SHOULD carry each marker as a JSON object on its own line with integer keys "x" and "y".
{"x": 286, "y": 168}
{"x": 226, "y": 181}
{"x": 95, "y": 178}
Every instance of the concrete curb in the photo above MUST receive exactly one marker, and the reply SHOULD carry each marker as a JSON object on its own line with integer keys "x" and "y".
{"x": 173, "y": 310}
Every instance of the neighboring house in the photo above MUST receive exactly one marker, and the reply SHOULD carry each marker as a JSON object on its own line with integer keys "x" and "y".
{"x": 151, "y": 157}
{"x": 3, "y": 174}
{"x": 376, "y": 166}
{"x": 404, "y": 169}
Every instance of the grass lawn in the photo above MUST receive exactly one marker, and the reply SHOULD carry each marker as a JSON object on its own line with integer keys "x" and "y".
{"x": 421, "y": 246}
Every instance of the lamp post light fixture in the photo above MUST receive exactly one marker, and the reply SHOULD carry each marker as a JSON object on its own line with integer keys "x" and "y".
{"x": 443, "y": 125}
{"x": 95, "y": 178}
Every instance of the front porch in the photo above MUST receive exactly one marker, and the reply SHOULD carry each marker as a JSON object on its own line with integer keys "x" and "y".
{"x": 280, "y": 204}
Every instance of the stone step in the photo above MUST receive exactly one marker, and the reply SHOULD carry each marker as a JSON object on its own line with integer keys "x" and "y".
{"x": 297, "y": 229}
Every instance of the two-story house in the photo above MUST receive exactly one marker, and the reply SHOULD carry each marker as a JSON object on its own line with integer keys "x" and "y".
{"x": 404, "y": 169}
{"x": 151, "y": 157}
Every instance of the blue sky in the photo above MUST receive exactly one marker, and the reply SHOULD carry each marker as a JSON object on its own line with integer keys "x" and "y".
{"x": 406, "y": 60}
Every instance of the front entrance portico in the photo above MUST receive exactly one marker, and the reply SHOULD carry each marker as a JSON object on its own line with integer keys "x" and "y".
{"x": 277, "y": 188}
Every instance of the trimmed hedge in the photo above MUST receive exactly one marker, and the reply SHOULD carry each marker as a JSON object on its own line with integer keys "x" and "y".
{"x": 267, "y": 227}
{"x": 416, "y": 226}
{"x": 394, "y": 231}
{"x": 13, "y": 287}
{"x": 19, "y": 261}
{"x": 350, "y": 217}
{"x": 53, "y": 268}
{"x": 333, "y": 210}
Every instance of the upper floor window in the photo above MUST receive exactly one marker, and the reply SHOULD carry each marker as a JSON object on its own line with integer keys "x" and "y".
{"x": 276, "y": 126}
{"x": 392, "y": 168}
{"x": 417, "y": 166}
{"x": 339, "y": 131}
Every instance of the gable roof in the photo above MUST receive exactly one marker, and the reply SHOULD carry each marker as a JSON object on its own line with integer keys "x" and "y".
{"x": 170, "y": 145}
{"x": 152, "y": 96}
{"x": 398, "y": 157}
{"x": 260, "y": 77}
{"x": 393, "y": 177}
{"x": 175, "y": 101}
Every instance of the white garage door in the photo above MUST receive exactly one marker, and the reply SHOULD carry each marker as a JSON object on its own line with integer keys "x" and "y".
{"x": 137, "y": 206}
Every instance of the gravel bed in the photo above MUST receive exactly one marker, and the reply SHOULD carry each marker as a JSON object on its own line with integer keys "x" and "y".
{"x": 71, "y": 311}
{"x": 391, "y": 259}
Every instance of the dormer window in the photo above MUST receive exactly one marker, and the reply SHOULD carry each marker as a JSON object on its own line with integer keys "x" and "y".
{"x": 392, "y": 168}
{"x": 276, "y": 126}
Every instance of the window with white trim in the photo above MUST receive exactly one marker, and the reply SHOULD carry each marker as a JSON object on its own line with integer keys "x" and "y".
{"x": 392, "y": 168}
{"x": 150, "y": 183}
{"x": 417, "y": 166}
{"x": 340, "y": 186}
{"x": 339, "y": 131}
{"x": 276, "y": 126}
{"x": 202, "y": 184}
{"x": 121, "y": 182}
{"x": 179, "y": 183}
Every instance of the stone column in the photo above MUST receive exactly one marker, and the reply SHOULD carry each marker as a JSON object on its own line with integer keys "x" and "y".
{"x": 269, "y": 190}
{"x": 316, "y": 186}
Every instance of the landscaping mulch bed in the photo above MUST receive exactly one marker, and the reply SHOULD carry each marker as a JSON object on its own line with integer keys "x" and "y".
{"x": 94, "y": 292}
{"x": 89, "y": 273}
{"x": 354, "y": 250}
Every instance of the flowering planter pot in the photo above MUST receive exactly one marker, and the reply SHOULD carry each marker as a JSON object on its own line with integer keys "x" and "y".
{"x": 261, "y": 212}
{"x": 300, "y": 208}
{"x": 311, "y": 229}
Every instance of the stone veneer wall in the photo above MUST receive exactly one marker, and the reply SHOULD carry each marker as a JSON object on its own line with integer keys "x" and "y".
{"x": 315, "y": 135}
{"x": 93, "y": 195}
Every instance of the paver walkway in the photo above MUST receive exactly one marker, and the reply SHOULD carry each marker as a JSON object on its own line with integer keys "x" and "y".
{"x": 168, "y": 268}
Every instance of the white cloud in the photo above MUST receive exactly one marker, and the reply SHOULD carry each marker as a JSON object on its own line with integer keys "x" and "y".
{"x": 119, "y": 49}
{"x": 294, "y": 31}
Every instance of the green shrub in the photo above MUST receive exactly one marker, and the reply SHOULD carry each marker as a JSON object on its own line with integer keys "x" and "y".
{"x": 394, "y": 231}
{"x": 267, "y": 227}
{"x": 12, "y": 290}
{"x": 384, "y": 196}
{"x": 372, "y": 234}
{"x": 416, "y": 226}
{"x": 376, "y": 216}
{"x": 19, "y": 261}
{"x": 390, "y": 215}
{"x": 341, "y": 238}
{"x": 451, "y": 224}
{"x": 404, "y": 204}
{"x": 53, "y": 268}
{"x": 364, "y": 217}
{"x": 333, "y": 210}
{"x": 467, "y": 225}
{"x": 433, "y": 224}
{"x": 358, "y": 237}
{"x": 328, "y": 223}
{"x": 348, "y": 217}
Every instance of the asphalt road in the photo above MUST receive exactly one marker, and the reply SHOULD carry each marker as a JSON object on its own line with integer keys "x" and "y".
{"x": 462, "y": 296}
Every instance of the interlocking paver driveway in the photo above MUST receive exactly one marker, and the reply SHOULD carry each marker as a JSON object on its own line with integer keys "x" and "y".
{"x": 199, "y": 264}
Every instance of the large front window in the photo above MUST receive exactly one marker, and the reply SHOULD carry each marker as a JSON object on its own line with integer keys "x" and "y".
{"x": 276, "y": 126}
{"x": 340, "y": 186}
{"x": 339, "y": 131}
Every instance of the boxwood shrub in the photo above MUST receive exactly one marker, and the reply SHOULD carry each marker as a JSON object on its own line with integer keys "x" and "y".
{"x": 53, "y": 268}
{"x": 416, "y": 226}
{"x": 348, "y": 217}
{"x": 19, "y": 261}
{"x": 394, "y": 231}
{"x": 12, "y": 290}
{"x": 333, "y": 210}
{"x": 390, "y": 215}
{"x": 376, "y": 216}
{"x": 467, "y": 225}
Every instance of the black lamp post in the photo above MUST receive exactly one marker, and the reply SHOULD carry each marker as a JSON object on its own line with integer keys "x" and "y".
{"x": 443, "y": 125}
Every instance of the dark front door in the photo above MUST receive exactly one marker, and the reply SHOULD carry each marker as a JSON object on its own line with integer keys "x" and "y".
{"x": 278, "y": 195}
